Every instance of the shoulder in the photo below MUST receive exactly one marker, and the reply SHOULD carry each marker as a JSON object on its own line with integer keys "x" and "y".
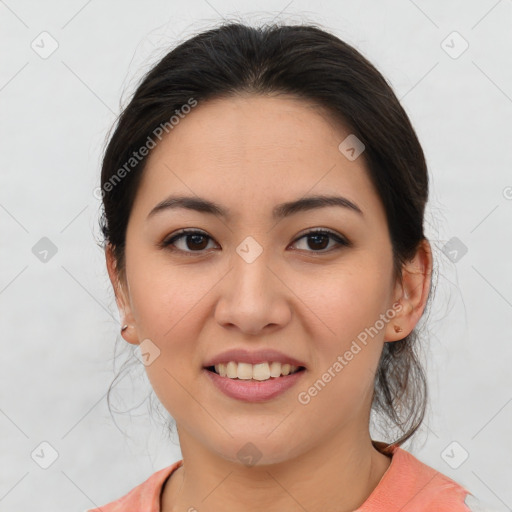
{"x": 413, "y": 485}
{"x": 429, "y": 487}
{"x": 143, "y": 498}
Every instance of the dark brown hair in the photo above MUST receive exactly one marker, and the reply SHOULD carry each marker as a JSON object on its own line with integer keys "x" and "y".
{"x": 309, "y": 63}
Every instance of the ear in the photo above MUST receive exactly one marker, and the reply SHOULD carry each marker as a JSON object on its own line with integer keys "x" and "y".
{"x": 412, "y": 293}
{"x": 119, "y": 285}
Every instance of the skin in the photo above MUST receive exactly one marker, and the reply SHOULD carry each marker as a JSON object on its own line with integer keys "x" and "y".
{"x": 249, "y": 153}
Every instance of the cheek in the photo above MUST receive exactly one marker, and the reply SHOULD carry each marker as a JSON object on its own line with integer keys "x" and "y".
{"x": 346, "y": 301}
{"x": 167, "y": 303}
{"x": 171, "y": 319}
{"x": 165, "y": 298}
{"x": 347, "y": 348}
{"x": 348, "y": 337}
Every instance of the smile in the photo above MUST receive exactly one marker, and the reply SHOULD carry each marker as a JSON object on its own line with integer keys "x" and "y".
{"x": 261, "y": 371}
{"x": 254, "y": 383}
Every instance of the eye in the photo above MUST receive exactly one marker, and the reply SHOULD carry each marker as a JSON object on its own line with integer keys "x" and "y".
{"x": 319, "y": 239}
{"x": 194, "y": 241}
{"x": 190, "y": 239}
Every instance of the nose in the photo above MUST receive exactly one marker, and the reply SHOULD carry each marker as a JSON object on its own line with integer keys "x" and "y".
{"x": 252, "y": 298}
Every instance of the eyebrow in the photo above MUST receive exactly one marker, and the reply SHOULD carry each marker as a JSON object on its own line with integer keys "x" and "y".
{"x": 279, "y": 212}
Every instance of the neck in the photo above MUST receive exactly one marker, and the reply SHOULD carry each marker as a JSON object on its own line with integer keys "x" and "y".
{"x": 338, "y": 475}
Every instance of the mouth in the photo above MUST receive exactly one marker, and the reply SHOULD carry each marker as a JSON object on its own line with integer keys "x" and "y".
{"x": 246, "y": 388}
{"x": 258, "y": 372}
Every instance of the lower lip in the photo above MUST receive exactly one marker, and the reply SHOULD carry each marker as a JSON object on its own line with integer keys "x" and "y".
{"x": 253, "y": 390}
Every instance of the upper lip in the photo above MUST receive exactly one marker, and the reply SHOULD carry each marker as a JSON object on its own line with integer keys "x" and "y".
{"x": 240, "y": 355}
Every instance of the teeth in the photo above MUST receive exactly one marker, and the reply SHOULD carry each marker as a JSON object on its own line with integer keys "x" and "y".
{"x": 275, "y": 369}
{"x": 244, "y": 371}
{"x": 260, "y": 371}
{"x": 231, "y": 370}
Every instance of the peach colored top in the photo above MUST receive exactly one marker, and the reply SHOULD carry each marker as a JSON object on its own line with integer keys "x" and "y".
{"x": 407, "y": 485}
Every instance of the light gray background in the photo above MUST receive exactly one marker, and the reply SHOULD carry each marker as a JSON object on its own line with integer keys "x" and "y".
{"x": 59, "y": 320}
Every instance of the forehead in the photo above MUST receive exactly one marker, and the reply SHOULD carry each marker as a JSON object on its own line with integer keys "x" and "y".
{"x": 272, "y": 128}
{"x": 254, "y": 151}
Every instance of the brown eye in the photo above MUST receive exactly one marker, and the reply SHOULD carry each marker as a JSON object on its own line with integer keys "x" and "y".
{"x": 190, "y": 240}
{"x": 193, "y": 241}
{"x": 318, "y": 240}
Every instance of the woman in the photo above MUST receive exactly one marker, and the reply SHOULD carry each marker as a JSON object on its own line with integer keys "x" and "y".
{"x": 264, "y": 197}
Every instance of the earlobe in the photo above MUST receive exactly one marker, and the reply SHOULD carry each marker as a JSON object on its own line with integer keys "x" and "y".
{"x": 129, "y": 333}
{"x": 412, "y": 293}
{"x": 128, "y": 329}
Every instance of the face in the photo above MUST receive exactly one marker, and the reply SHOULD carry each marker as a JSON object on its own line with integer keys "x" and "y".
{"x": 253, "y": 281}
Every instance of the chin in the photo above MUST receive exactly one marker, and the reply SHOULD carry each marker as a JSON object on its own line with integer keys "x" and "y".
{"x": 255, "y": 449}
